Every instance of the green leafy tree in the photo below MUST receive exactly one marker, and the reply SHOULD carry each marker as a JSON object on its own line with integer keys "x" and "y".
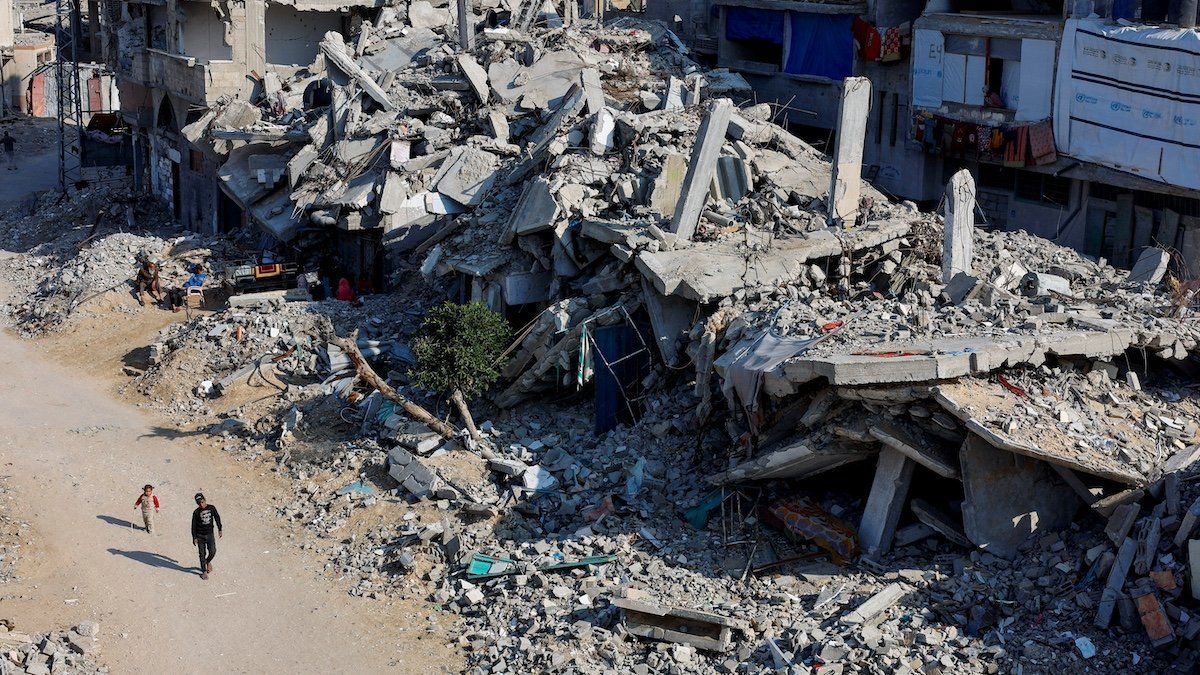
{"x": 458, "y": 353}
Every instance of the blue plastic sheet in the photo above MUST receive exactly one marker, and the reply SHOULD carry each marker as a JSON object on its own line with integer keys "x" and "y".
{"x": 746, "y": 23}
{"x": 822, "y": 45}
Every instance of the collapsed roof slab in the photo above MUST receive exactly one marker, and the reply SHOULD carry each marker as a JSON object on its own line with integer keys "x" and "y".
{"x": 944, "y": 358}
{"x": 709, "y": 271}
{"x": 986, "y": 408}
{"x": 799, "y": 460}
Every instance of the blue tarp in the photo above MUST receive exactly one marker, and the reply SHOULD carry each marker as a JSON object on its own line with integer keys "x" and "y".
{"x": 745, "y": 23}
{"x": 822, "y": 45}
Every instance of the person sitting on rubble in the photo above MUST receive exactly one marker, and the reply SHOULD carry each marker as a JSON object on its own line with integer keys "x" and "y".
{"x": 147, "y": 282}
{"x": 179, "y": 295}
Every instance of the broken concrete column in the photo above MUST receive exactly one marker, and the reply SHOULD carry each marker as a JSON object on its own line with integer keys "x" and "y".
{"x": 845, "y": 187}
{"x": 701, "y": 168}
{"x": 893, "y": 476}
{"x": 959, "y": 217}
{"x": 334, "y": 49}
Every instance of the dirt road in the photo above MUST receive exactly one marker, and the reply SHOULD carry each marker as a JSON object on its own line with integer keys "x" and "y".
{"x": 77, "y": 458}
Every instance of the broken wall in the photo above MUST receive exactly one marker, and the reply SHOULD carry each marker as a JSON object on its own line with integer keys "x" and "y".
{"x": 292, "y": 36}
{"x": 203, "y": 32}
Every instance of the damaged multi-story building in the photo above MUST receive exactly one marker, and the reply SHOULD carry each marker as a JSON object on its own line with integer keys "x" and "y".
{"x": 177, "y": 58}
{"x": 1074, "y": 118}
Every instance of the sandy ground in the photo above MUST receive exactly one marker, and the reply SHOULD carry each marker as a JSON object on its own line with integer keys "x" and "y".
{"x": 35, "y": 165}
{"x": 77, "y": 457}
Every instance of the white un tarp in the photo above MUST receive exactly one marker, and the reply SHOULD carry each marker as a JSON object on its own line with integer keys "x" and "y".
{"x": 1129, "y": 98}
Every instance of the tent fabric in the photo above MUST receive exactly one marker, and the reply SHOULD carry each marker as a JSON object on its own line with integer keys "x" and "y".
{"x": 1134, "y": 114}
{"x": 822, "y": 45}
{"x": 747, "y": 23}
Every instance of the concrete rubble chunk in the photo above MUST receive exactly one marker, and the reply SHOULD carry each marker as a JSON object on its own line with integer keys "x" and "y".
{"x": 702, "y": 630}
{"x": 414, "y": 477}
{"x": 664, "y": 195}
{"x": 467, "y": 175}
{"x": 536, "y": 210}
{"x": 1151, "y": 266}
{"x": 875, "y": 605}
{"x": 476, "y": 75}
{"x": 334, "y": 49}
{"x": 1116, "y": 582}
{"x": 941, "y": 522}
{"x": 1010, "y": 498}
{"x": 701, "y": 167}
{"x": 915, "y": 448}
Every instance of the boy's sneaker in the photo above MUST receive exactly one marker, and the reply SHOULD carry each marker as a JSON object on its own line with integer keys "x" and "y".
{"x": 204, "y": 575}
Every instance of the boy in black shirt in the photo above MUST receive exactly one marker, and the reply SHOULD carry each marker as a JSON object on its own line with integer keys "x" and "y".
{"x": 203, "y": 519}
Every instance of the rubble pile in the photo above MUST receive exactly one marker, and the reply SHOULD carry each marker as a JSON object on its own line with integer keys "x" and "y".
{"x": 71, "y": 651}
{"x": 925, "y": 404}
{"x": 99, "y": 242}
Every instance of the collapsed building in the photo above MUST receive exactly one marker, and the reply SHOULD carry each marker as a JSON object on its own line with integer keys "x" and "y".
{"x": 606, "y": 194}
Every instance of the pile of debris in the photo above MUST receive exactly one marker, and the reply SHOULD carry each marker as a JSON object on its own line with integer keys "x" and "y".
{"x": 94, "y": 251}
{"x": 72, "y": 651}
{"x": 900, "y": 389}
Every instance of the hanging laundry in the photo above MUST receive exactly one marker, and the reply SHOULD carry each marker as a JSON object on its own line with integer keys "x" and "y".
{"x": 891, "y": 45}
{"x": 1041, "y": 143}
{"x": 1016, "y": 141}
{"x": 867, "y": 37}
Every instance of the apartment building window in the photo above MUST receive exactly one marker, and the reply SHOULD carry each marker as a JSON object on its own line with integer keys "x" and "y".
{"x": 196, "y": 161}
{"x": 981, "y": 71}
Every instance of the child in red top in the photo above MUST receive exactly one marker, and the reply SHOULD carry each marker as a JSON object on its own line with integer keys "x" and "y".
{"x": 149, "y": 503}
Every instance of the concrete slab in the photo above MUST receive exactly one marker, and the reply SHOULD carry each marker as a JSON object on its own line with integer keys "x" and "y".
{"x": 476, "y": 75}
{"x": 916, "y": 446}
{"x": 940, "y": 522}
{"x": 1150, "y": 267}
{"x": 664, "y": 195}
{"x": 670, "y": 316}
{"x": 795, "y": 461}
{"x": 536, "y": 210}
{"x": 1115, "y": 582}
{"x": 467, "y": 175}
{"x": 982, "y": 407}
{"x": 1009, "y": 498}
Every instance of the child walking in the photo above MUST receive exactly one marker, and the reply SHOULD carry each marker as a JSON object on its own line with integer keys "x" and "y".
{"x": 149, "y": 503}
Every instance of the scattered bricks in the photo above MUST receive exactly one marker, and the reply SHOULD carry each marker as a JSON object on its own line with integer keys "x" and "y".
{"x": 1154, "y": 619}
{"x": 1164, "y": 580}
